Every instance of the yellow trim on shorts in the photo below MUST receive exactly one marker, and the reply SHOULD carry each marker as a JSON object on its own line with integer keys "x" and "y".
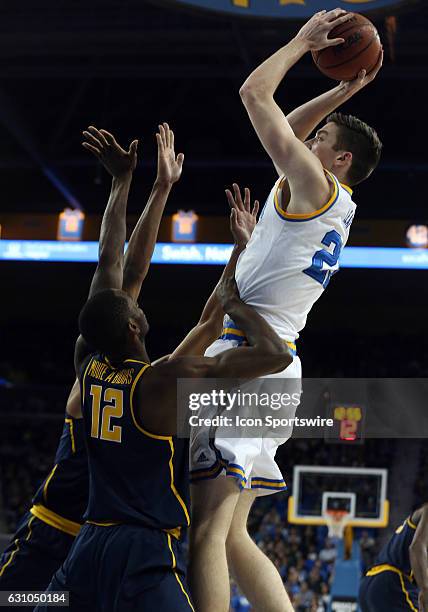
{"x": 174, "y": 565}
{"x": 406, "y": 594}
{"x": 315, "y": 213}
{"x": 49, "y": 478}
{"x": 73, "y": 443}
{"x": 378, "y": 569}
{"x": 410, "y": 524}
{"x": 168, "y": 439}
{"x": 233, "y": 331}
{"x": 17, "y": 546}
{"x": 55, "y": 520}
{"x": 268, "y": 483}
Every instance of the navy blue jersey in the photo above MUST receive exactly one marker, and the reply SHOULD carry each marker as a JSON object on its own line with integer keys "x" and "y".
{"x": 136, "y": 477}
{"x": 62, "y": 498}
{"x": 396, "y": 551}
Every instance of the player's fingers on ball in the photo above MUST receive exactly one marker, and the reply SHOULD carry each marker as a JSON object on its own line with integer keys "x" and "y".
{"x": 336, "y": 41}
{"x": 342, "y": 19}
{"x": 335, "y": 13}
{"x": 92, "y": 140}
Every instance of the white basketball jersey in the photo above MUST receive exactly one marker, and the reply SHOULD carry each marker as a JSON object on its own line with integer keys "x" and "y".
{"x": 290, "y": 258}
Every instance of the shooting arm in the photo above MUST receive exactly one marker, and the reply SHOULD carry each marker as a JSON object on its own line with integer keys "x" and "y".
{"x": 289, "y": 155}
{"x": 304, "y": 119}
{"x": 143, "y": 238}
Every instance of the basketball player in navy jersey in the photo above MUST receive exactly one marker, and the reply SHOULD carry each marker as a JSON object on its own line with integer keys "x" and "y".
{"x": 399, "y": 578}
{"x": 45, "y": 533}
{"x": 128, "y": 554}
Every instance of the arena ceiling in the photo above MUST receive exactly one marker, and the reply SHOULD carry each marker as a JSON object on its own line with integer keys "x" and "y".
{"x": 126, "y": 65}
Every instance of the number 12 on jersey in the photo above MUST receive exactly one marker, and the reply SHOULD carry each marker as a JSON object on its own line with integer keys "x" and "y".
{"x": 321, "y": 257}
{"x": 112, "y": 409}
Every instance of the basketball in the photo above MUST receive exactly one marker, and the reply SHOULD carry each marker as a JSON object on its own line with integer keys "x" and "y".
{"x": 361, "y": 50}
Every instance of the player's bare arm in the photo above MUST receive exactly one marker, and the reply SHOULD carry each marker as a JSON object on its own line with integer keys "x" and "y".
{"x": 143, "y": 238}
{"x": 308, "y": 183}
{"x": 266, "y": 354}
{"x": 243, "y": 219}
{"x": 418, "y": 552}
{"x": 304, "y": 119}
{"x": 120, "y": 164}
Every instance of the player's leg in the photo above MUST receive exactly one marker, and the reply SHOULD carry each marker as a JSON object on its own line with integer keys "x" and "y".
{"x": 254, "y": 572}
{"x": 213, "y": 504}
{"x": 35, "y": 552}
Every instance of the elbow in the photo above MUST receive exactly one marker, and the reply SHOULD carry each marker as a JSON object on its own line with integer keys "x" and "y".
{"x": 279, "y": 350}
{"x": 251, "y": 93}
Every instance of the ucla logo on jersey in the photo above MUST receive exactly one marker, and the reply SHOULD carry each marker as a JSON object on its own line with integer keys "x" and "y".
{"x": 287, "y": 9}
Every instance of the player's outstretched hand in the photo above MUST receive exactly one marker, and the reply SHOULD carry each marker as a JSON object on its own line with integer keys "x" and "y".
{"x": 363, "y": 78}
{"x": 315, "y": 31}
{"x": 169, "y": 166}
{"x": 116, "y": 161}
{"x": 243, "y": 216}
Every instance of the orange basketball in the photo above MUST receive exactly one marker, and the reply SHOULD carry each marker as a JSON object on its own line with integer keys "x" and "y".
{"x": 361, "y": 49}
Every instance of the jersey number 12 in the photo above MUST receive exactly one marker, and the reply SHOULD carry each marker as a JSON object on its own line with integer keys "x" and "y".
{"x": 112, "y": 409}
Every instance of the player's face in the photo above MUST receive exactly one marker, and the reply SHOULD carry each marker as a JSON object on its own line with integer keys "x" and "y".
{"x": 141, "y": 320}
{"x": 323, "y": 145}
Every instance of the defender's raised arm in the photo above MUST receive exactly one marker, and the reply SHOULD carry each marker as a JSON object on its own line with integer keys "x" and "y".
{"x": 121, "y": 165}
{"x": 143, "y": 238}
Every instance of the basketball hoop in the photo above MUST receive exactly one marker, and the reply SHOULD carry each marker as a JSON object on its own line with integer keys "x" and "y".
{"x": 336, "y": 521}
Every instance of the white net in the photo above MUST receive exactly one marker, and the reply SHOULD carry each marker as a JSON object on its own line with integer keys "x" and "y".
{"x": 336, "y": 522}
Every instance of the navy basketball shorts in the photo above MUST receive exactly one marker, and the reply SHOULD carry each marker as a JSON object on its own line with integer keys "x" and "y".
{"x": 123, "y": 568}
{"x": 34, "y": 554}
{"x": 388, "y": 591}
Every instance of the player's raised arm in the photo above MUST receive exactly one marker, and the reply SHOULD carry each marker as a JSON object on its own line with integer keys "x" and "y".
{"x": 419, "y": 558}
{"x": 121, "y": 165}
{"x": 143, "y": 238}
{"x": 243, "y": 219}
{"x": 304, "y": 171}
{"x": 304, "y": 119}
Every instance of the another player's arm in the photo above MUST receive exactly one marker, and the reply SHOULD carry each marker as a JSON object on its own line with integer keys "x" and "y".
{"x": 73, "y": 407}
{"x": 291, "y": 157}
{"x": 121, "y": 165}
{"x": 243, "y": 219}
{"x": 143, "y": 238}
{"x": 419, "y": 557}
{"x": 266, "y": 354}
{"x": 304, "y": 119}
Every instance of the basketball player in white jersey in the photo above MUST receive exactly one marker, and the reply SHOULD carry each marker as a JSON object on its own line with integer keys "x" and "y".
{"x": 287, "y": 264}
